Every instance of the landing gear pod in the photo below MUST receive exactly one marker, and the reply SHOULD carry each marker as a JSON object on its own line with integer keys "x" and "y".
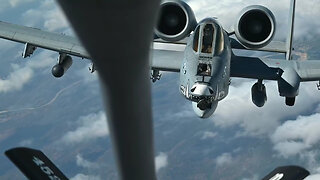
{"x": 288, "y": 85}
{"x": 258, "y": 94}
{"x": 63, "y": 65}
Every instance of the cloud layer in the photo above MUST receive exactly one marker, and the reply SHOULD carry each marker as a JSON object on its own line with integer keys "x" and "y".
{"x": 89, "y": 127}
{"x": 224, "y": 159}
{"x": 47, "y": 15}
{"x": 23, "y": 73}
{"x": 161, "y": 161}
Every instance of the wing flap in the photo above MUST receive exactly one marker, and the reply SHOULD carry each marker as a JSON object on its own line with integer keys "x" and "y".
{"x": 43, "y": 39}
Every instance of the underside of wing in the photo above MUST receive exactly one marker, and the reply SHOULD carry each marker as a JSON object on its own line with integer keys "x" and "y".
{"x": 165, "y": 60}
{"x": 252, "y": 67}
{"x": 47, "y": 40}
{"x": 274, "y": 69}
{"x": 273, "y": 46}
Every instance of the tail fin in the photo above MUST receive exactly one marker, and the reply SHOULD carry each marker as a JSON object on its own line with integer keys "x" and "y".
{"x": 287, "y": 173}
{"x": 291, "y": 27}
{"x": 34, "y": 164}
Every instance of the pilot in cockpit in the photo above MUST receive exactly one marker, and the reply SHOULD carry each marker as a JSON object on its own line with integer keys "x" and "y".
{"x": 207, "y": 39}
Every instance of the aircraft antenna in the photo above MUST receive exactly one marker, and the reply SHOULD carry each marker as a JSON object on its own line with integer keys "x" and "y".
{"x": 291, "y": 28}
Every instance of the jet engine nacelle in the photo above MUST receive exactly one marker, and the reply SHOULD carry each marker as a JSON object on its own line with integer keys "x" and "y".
{"x": 255, "y": 26}
{"x": 176, "y": 21}
{"x": 63, "y": 65}
{"x": 258, "y": 94}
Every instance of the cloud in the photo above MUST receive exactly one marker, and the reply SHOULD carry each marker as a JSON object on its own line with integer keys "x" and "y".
{"x": 300, "y": 138}
{"x": 81, "y": 162}
{"x": 261, "y": 121}
{"x": 161, "y": 161}
{"x": 47, "y": 15}
{"x": 208, "y": 134}
{"x": 15, "y": 3}
{"x": 84, "y": 73}
{"x": 254, "y": 177}
{"x": 5, "y": 5}
{"x": 23, "y": 73}
{"x": 85, "y": 177}
{"x": 91, "y": 127}
{"x": 224, "y": 159}
{"x": 295, "y": 136}
{"x": 26, "y": 142}
{"x": 89, "y": 167}
{"x": 313, "y": 177}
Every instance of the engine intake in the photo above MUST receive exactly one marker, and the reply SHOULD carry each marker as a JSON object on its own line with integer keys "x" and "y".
{"x": 176, "y": 21}
{"x": 255, "y": 27}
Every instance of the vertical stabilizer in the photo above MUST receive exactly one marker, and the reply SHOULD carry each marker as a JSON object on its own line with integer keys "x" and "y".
{"x": 291, "y": 27}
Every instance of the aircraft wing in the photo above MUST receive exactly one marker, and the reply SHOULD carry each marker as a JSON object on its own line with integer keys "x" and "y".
{"x": 34, "y": 164}
{"x": 273, "y": 46}
{"x": 272, "y": 69}
{"x": 287, "y": 173}
{"x": 167, "y": 56}
{"x": 38, "y": 38}
{"x": 166, "y": 60}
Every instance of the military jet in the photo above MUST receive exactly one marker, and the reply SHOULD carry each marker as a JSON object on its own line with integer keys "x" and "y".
{"x": 117, "y": 35}
{"x": 207, "y": 61}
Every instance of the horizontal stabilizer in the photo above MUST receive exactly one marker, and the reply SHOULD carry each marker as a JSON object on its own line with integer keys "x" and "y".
{"x": 34, "y": 164}
{"x": 287, "y": 173}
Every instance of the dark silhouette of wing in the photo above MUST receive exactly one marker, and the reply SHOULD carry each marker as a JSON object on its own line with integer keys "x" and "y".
{"x": 34, "y": 164}
{"x": 287, "y": 173}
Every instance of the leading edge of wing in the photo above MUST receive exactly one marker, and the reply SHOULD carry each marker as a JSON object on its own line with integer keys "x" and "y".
{"x": 47, "y": 40}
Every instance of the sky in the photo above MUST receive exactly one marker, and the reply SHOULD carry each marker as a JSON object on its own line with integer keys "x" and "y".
{"x": 292, "y": 132}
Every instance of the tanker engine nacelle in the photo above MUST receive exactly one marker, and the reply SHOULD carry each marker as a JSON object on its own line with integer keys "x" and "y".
{"x": 176, "y": 21}
{"x": 255, "y": 26}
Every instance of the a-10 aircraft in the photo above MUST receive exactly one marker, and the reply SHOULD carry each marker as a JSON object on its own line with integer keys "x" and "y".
{"x": 207, "y": 62}
{"x": 105, "y": 25}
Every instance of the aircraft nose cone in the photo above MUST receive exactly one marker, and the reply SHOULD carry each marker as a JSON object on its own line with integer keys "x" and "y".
{"x": 204, "y": 113}
{"x": 201, "y": 90}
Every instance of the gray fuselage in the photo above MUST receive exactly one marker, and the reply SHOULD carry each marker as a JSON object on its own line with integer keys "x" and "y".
{"x": 205, "y": 71}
